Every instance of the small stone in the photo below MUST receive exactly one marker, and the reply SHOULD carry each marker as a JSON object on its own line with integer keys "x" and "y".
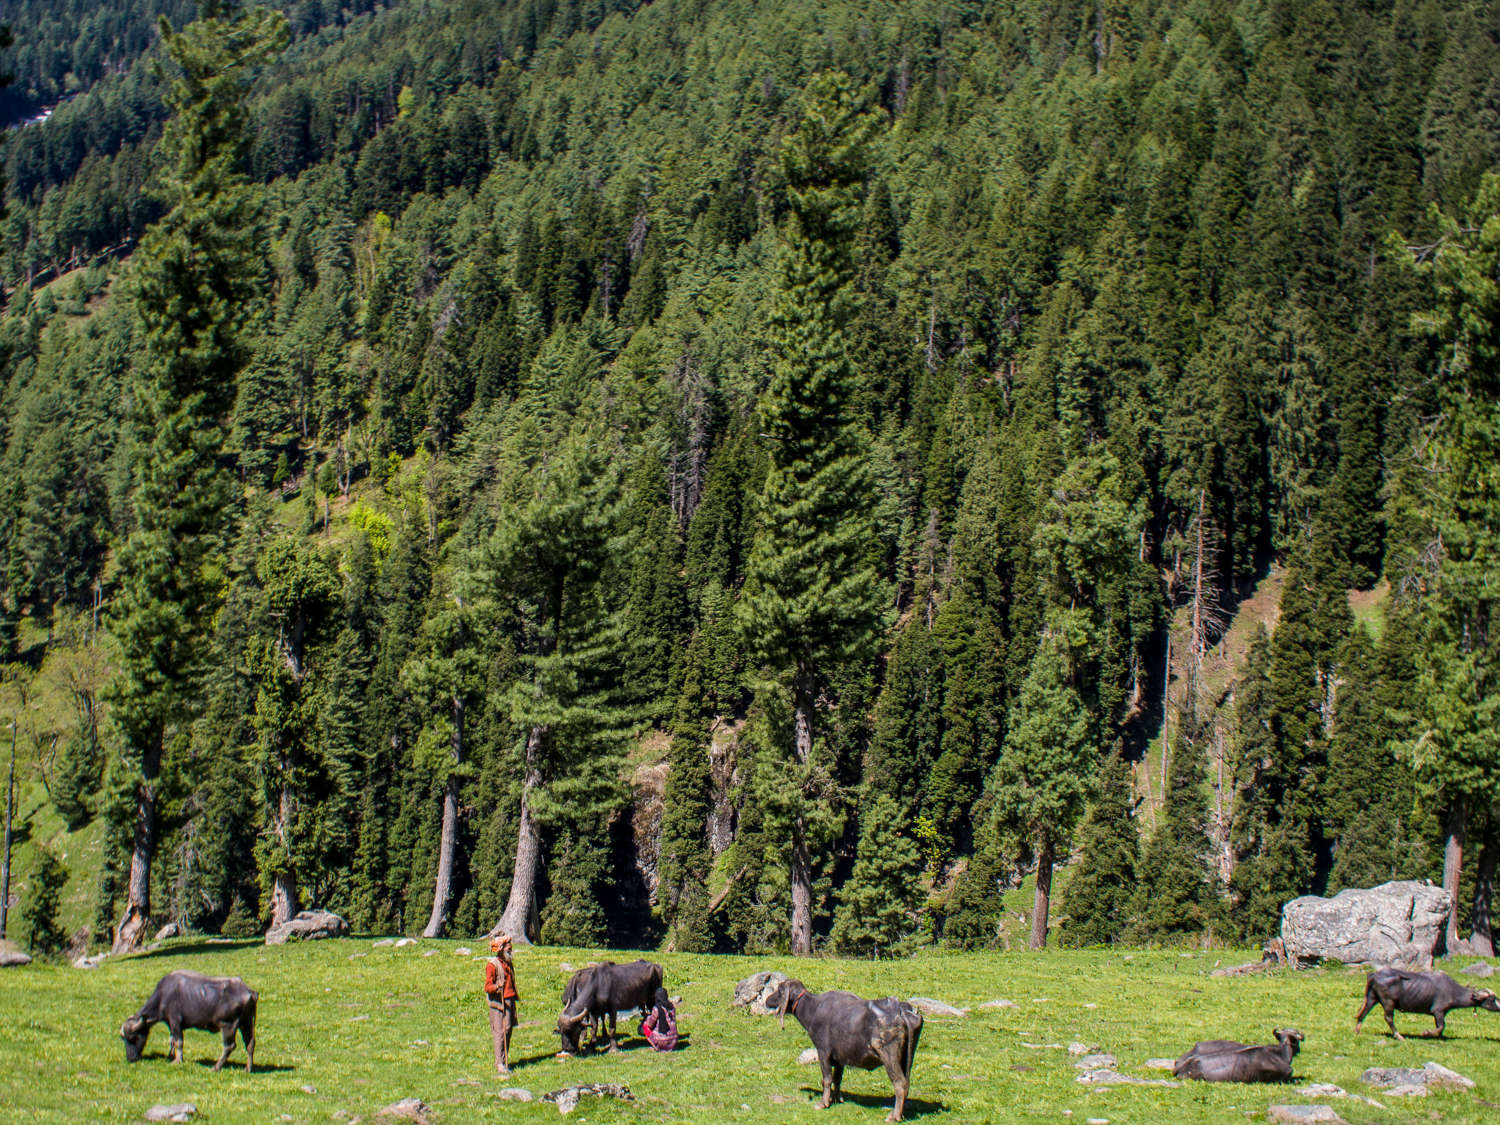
{"x": 1091, "y": 1006}
{"x": 1322, "y": 1090}
{"x": 996, "y": 1004}
{"x": 309, "y": 1089}
{"x": 1293, "y": 1114}
{"x": 1042, "y": 1046}
{"x": 355, "y": 956}
{"x": 1041, "y": 999}
{"x": 808, "y": 1057}
{"x": 9, "y": 957}
{"x": 463, "y": 951}
{"x": 1479, "y": 969}
{"x": 1106, "y": 1076}
{"x": 181, "y": 1111}
{"x": 419, "y": 1043}
{"x": 381, "y": 943}
{"x": 1097, "y": 1062}
{"x": 1098, "y": 1121}
{"x": 1432, "y": 1076}
{"x": 404, "y": 942}
{"x": 930, "y": 1007}
{"x": 407, "y": 1109}
{"x": 1160, "y": 1064}
{"x": 1075, "y": 1048}
{"x": 744, "y": 1105}
{"x": 430, "y": 953}
{"x": 356, "y": 1019}
{"x": 564, "y": 967}
{"x": 1406, "y": 1090}
{"x": 514, "y": 1094}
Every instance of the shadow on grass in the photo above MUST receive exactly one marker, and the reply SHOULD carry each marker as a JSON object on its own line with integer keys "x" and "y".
{"x": 204, "y": 945}
{"x": 915, "y": 1107}
{"x": 260, "y": 1068}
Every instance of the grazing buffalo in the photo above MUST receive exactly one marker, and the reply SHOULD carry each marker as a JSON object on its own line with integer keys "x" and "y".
{"x": 1224, "y": 1060}
{"x": 570, "y": 994}
{"x": 599, "y": 992}
{"x": 1404, "y": 990}
{"x": 849, "y": 1031}
{"x": 184, "y": 999}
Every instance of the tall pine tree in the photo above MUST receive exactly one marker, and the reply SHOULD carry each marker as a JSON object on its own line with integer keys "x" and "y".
{"x": 196, "y": 279}
{"x": 812, "y": 601}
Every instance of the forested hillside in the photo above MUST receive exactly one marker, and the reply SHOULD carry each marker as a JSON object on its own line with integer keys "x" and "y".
{"x": 755, "y": 475}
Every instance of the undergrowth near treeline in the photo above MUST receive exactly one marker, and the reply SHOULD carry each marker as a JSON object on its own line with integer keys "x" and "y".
{"x": 346, "y": 1028}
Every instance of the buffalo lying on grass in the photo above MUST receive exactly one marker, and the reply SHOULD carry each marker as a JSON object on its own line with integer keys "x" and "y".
{"x": 184, "y": 999}
{"x": 1404, "y": 990}
{"x": 850, "y": 1031}
{"x": 599, "y": 992}
{"x": 1224, "y": 1060}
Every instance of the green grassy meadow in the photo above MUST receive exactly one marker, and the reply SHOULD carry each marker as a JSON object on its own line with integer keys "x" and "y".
{"x": 346, "y": 1028}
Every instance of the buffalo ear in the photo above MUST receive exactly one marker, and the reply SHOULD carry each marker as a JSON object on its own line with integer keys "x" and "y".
{"x": 781, "y": 1008}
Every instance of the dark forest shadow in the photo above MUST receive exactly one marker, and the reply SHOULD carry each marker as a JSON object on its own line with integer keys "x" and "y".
{"x": 197, "y": 945}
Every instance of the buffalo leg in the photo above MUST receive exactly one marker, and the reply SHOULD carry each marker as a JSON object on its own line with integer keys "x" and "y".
{"x": 899, "y": 1082}
{"x": 247, "y": 1033}
{"x": 174, "y": 1043}
{"x": 1363, "y": 1012}
{"x": 1439, "y": 1018}
{"x": 227, "y": 1034}
{"x": 1390, "y": 1021}
{"x": 614, "y": 1034}
{"x": 827, "y": 1083}
{"x": 838, "y": 1082}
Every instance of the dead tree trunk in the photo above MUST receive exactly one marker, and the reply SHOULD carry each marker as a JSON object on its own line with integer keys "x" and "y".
{"x": 801, "y": 863}
{"x": 443, "y": 891}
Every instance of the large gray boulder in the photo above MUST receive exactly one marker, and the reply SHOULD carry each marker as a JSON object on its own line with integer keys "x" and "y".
{"x": 752, "y": 991}
{"x": 309, "y": 925}
{"x": 1395, "y": 924}
{"x": 9, "y": 957}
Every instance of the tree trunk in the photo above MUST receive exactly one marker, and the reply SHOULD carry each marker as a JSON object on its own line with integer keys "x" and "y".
{"x": 1453, "y": 865}
{"x": 801, "y": 865}
{"x": 518, "y": 921}
{"x": 444, "y": 889}
{"x": 10, "y": 799}
{"x": 1043, "y": 899}
{"x": 285, "y": 899}
{"x": 132, "y": 927}
{"x": 1481, "y": 937}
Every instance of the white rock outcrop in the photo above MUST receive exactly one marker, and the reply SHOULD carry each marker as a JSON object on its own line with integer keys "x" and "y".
{"x": 1398, "y": 924}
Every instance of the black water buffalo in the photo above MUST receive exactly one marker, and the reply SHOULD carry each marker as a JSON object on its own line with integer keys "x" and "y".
{"x": 1224, "y": 1060}
{"x": 850, "y": 1031}
{"x": 570, "y": 994}
{"x": 184, "y": 999}
{"x": 1405, "y": 990}
{"x": 601, "y": 991}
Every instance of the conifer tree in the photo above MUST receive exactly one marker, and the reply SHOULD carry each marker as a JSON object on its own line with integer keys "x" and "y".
{"x": 447, "y": 675}
{"x": 548, "y": 565}
{"x": 1175, "y": 894}
{"x": 1457, "y": 703}
{"x": 811, "y": 603}
{"x": 1098, "y": 899}
{"x": 877, "y": 912}
{"x": 196, "y": 278}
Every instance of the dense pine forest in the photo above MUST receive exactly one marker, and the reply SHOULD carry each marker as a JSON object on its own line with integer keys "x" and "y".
{"x": 750, "y": 475}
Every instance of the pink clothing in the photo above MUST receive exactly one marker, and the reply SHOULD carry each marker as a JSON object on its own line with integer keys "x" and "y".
{"x": 660, "y": 1029}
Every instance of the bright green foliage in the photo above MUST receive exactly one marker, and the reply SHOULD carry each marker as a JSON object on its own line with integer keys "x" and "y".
{"x": 972, "y": 918}
{"x": 1099, "y": 898}
{"x": 878, "y": 907}
{"x": 44, "y": 934}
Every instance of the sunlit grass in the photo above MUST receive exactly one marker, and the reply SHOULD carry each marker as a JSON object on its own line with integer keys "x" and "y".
{"x": 346, "y": 1028}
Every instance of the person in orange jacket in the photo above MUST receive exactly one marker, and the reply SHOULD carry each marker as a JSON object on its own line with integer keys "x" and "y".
{"x": 500, "y": 995}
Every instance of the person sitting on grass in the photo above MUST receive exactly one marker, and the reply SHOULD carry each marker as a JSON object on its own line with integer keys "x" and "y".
{"x": 660, "y": 1026}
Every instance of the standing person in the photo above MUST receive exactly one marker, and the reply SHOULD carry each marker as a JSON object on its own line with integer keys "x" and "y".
{"x": 660, "y": 1026}
{"x": 500, "y": 996}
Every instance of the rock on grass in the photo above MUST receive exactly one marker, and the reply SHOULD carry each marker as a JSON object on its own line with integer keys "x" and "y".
{"x": 1292, "y": 1114}
{"x": 407, "y": 1109}
{"x": 182, "y": 1111}
{"x": 930, "y": 1007}
{"x": 1431, "y": 1076}
{"x": 567, "y": 1098}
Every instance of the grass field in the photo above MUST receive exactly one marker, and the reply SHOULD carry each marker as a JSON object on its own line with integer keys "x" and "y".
{"x": 346, "y": 1028}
